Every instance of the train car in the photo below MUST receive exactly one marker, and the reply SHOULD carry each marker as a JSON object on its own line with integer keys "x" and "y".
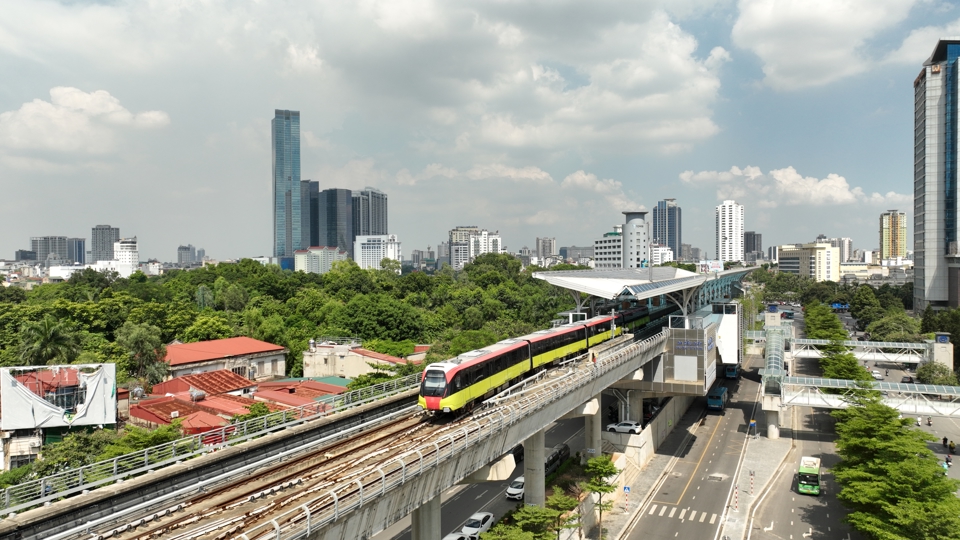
{"x": 458, "y": 383}
{"x": 633, "y": 318}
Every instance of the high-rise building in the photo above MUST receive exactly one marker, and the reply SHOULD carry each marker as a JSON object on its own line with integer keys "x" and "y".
{"x": 285, "y": 145}
{"x": 686, "y": 252}
{"x": 201, "y": 255}
{"x": 936, "y": 271}
{"x": 25, "y": 255}
{"x": 636, "y": 241}
{"x": 893, "y": 234}
{"x": 730, "y": 231}
{"x": 318, "y": 259}
{"x": 845, "y": 245}
{"x": 335, "y": 217}
{"x": 608, "y": 249}
{"x": 820, "y": 262}
{"x": 47, "y": 245}
{"x": 576, "y": 253}
{"x": 458, "y": 248}
{"x": 77, "y": 250}
{"x": 484, "y": 241}
{"x": 102, "y": 238}
{"x": 309, "y": 224}
{"x": 752, "y": 242}
{"x": 370, "y": 212}
{"x": 546, "y": 247}
{"x": 186, "y": 255}
{"x": 666, "y": 225}
{"x": 369, "y": 251}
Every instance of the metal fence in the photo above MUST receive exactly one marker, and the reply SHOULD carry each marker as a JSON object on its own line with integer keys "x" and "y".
{"x": 63, "y": 484}
{"x": 347, "y": 496}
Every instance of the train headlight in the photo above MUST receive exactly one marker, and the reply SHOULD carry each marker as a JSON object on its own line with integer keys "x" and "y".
{"x": 446, "y": 409}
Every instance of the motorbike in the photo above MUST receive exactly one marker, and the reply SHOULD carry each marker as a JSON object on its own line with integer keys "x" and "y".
{"x": 929, "y": 420}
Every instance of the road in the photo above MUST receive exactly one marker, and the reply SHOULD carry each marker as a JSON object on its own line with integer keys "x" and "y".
{"x": 690, "y": 501}
{"x": 785, "y": 514}
{"x": 462, "y": 501}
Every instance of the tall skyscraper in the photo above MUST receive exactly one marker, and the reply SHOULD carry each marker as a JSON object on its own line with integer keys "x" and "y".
{"x": 309, "y": 224}
{"x": 666, "y": 225}
{"x": 370, "y": 212}
{"x": 730, "y": 231}
{"x": 893, "y": 234}
{"x": 102, "y": 238}
{"x": 285, "y": 144}
{"x": 936, "y": 271}
{"x": 546, "y": 247}
{"x": 77, "y": 250}
{"x": 186, "y": 254}
{"x": 335, "y": 217}
{"x": 752, "y": 241}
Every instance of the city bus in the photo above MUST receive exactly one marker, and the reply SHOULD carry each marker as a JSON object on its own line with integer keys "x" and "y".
{"x": 808, "y": 476}
{"x": 717, "y": 398}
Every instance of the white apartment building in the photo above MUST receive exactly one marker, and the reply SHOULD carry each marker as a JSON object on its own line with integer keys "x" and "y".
{"x": 607, "y": 250}
{"x": 730, "y": 231}
{"x": 484, "y": 241}
{"x": 126, "y": 258}
{"x": 317, "y": 260}
{"x": 546, "y": 247}
{"x": 820, "y": 262}
{"x": 660, "y": 254}
{"x": 369, "y": 251}
{"x": 636, "y": 240}
{"x": 459, "y": 255}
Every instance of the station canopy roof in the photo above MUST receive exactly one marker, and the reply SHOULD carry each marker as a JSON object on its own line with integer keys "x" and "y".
{"x": 614, "y": 282}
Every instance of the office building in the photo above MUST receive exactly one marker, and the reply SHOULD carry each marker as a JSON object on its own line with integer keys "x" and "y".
{"x": 936, "y": 256}
{"x": 335, "y": 217}
{"x": 369, "y": 251}
{"x": 201, "y": 255}
{"x": 893, "y": 234}
{"x": 820, "y": 262}
{"x": 443, "y": 252}
{"x": 370, "y": 212}
{"x": 458, "y": 248}
{"x": 666, "y": 225}
{"x": 546, "y": 247}
{"x": 844, "y": 244}
{"x": 729, "y": 227}
{"x": 636, "y": 240}
{"x": 25, "y": 255}
{"x": 318, "y": 259}
{"x": 576, "y": 253}
{"x": 285, "y": 146}
{"x": 50, "y": 249}
{"x": 309, "y": 222}
{"x": 752, "y": 242}
{"x": 697, "y": 254}
{"x": 660, "y": 254}
{"x": 102, "y": 238}
{"x": 186, "y": 255}
{"x": 77, "y": 250}
{"x": 608, "y": 249}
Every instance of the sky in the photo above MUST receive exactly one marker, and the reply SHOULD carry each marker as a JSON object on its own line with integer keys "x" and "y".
{"x": 533, "y": 118}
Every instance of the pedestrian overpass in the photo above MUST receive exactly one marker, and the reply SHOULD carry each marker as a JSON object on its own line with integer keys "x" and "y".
{"x": 871, "y": 351}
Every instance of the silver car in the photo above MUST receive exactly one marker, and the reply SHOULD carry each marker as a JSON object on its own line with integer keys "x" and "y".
{"x": 625, "y": 427}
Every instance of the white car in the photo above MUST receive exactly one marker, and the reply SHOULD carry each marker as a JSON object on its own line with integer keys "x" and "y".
{"x": 477, "y": 523}
{"x": 876, "y": 375}
{"x": 515, "y": 491}
{"x": 625, "y": 427}
{"x": 456, "y": 536}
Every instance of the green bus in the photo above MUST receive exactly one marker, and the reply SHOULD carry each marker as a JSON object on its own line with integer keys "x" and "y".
{"x": 808, "y": 476}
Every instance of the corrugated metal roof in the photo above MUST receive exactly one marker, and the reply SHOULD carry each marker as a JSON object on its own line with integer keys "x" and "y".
{"x": 202, "y": 351}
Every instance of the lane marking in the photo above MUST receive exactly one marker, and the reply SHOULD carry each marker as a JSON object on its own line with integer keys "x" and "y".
{"x": 702, "y": 517}
{"x": 652, "y": 508}
{"x": 682, "y": 513}
{"x": 663, "y": 510}
{"x": 712, "y": 435}
{"x": 673, "y": 511}
{"x": 693, "y": 515}
{"x": 713, "y": 518}
{"x": 768, "y": 529}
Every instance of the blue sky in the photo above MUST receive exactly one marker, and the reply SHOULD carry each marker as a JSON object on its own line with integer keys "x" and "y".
{"x": 531, "y": 118}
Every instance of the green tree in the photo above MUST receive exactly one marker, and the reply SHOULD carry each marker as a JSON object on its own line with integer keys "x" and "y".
{"x": 12, "y": 294}
{"x": 565, "y": 505}
{"x": 537, "y": 520}
{"x": 204, "y": 297}
{"x": 147, "y": 351}
{"x": 501, "y": 531}
{"x": 600, "y": 470}
{"x": 207, "y": 327}
{"x": 48, "y": 341}
{"x": 256, "y": 411}
{"x": 234, "y": 298}
{"x": 936, "y": 373}
{"x": 896, "y": 325}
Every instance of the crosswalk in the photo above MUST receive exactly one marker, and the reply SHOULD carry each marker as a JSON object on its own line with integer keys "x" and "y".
{"x": 684, "y": 514}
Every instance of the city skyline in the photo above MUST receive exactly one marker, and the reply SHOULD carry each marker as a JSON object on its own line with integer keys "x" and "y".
{"x": 537, "y": 126}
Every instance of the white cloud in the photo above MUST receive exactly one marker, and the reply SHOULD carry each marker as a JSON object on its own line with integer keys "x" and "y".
{"x": 73, "y": 121}
{"x": 611, "y": 190}
{"x": 919, "y": 44}
{"x": 814, "y": 42}
{"x": 786, "y": 187}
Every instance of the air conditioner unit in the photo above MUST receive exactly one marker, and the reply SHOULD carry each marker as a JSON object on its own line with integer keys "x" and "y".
{"x": 34, "y": 444}
{"x": 175, "y": 414}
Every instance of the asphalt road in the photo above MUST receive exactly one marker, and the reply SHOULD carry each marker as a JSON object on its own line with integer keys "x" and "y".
{"x": 690, "y": 502}
{"x": 460, "y": 502}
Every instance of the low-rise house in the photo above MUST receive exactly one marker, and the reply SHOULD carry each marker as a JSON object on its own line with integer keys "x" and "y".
{"x": 345, "y": 358}
{"x": 210, "y": 383}
{"x": 251, "y": 358}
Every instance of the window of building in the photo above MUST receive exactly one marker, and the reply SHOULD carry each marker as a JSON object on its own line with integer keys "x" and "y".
{"x": 20, "y": 461}
{"x": 242, "y": 371}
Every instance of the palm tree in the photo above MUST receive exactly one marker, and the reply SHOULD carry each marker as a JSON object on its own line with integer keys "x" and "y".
{"x": 48, "y": 341}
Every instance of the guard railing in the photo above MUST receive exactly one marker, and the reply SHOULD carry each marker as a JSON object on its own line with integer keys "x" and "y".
{"x": 35, "y": 492}
{"x": 346, "y": 496}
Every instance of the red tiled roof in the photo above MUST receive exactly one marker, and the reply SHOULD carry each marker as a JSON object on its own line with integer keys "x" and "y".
{"x": 46, "y": 380}
{"x": 202, "y": 351}
{"x": 244, "y": 401}
{"x": 421, "y": 348}
{"x": 159, "y": 411}
{"x": 220, "y": 381}
{"x": 201, "y": 421}
{"x": 307, "y": 389}
{"x": 283, "y": 397}
{"x": 382, "y": 357}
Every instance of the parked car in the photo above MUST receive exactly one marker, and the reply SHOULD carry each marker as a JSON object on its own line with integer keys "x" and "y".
{"x": 877, "y": 375}
{"x": 477, "y": 523}
{"x": 515, "y": 491}
{"x": 456, "y": 536}
{"x": 625, "y": 427}
{"x": 554, "y": 457}
{"x": 907, "y": 379}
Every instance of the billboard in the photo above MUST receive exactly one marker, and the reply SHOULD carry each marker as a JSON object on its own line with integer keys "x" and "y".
{"x": 711, "y": 266}
{"x": 58, "y": 396}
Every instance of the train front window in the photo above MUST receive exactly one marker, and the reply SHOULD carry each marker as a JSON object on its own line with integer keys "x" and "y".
{"x": 434, "y": 383}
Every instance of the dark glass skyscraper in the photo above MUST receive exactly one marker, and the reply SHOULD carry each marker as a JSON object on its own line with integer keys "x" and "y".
{"x": 309, "y": 213}
{"x": 287, "y": 208}
{"x": 666, "y": 225}
{"x": 369, "y": 212}
{"x": 335, "y": 216}
{"x": 102, "y": 238}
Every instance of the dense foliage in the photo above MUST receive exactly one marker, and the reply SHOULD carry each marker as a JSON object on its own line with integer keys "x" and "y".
{"x": 892, "y": 483}
{"x": 837, "y": 362}
{"x": 96, "y": 317}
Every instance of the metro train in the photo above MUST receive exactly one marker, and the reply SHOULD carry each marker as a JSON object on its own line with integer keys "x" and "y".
{"x": 459, "y": 383}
